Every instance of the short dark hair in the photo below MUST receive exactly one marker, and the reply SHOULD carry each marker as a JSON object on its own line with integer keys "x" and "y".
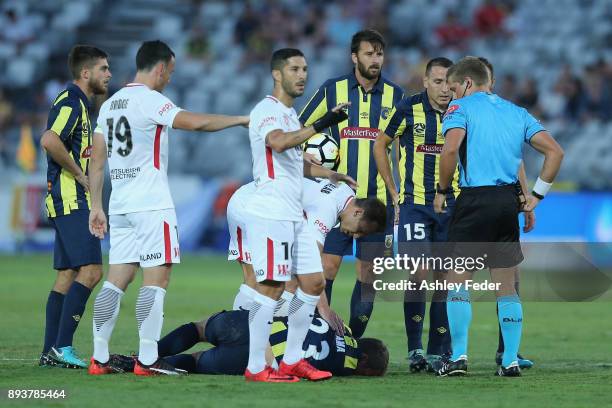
{"x": 81, "y": 56}
{"x": 469, "y": 67}
{"x": 437, "y": 62}
{"x": 280, "y": 57}
{"x": 369, "y": 35}
{"x": 488, "y": 65}
{"x": 377, "y": 352}
{"x": 152, "y": 52}
{"x": 374, "y": 214}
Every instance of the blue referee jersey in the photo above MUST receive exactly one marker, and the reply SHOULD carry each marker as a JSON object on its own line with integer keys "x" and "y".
{"x": 495, "y": 130}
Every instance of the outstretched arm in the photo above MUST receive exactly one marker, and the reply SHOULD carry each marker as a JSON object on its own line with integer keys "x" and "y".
{"x": 207, "y": 122}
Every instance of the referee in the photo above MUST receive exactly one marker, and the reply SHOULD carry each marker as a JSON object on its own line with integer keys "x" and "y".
{"x": 487, "y": 133}
{"x": 77, "y": 256}
{"x": 371, "y": 98}
{"x": 417, "y": 122}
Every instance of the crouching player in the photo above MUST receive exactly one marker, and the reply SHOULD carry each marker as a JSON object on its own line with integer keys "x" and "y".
{"x": 325, "y": 205}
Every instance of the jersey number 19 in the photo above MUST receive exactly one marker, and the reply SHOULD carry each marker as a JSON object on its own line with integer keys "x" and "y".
{"x": 123, "y": 134}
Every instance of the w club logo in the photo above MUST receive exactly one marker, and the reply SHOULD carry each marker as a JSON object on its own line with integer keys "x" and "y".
{"x": 282, "y": 269}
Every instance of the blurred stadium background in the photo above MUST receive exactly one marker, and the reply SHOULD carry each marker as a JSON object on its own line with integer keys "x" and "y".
{"x": 554, "y": 57}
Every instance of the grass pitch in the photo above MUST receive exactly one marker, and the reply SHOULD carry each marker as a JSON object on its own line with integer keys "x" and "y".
{"x": 570, "y": 343}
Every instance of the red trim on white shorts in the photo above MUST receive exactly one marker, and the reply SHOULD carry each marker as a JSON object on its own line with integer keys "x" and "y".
{"x": 269, "y": 162}
{"x": 270, "y": 275}
{"x": 167, "y": 245}
{"x": 239, "y": 238}
{"x": 156, "y": 146}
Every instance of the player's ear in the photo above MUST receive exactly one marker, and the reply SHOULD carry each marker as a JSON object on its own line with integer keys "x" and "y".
{"x": 277, "y": 75}
{"x": 354, "y": 58}
{"x": 85, "y": 72}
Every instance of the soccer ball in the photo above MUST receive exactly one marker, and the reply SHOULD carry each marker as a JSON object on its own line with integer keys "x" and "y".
{"x": 324, "y": 148}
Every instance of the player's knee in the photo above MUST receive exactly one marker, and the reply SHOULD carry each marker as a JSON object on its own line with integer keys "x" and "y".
{"x": 365, "y": 271}
{"x": 200, "y": 328}
{"x": 90, "y": 275}
{"x": 64, "y": 280}
{"x": 314, "y": 286}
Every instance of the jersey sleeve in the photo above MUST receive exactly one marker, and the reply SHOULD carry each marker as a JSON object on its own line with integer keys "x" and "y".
{"x": 455, "y": 117}
{"x": 397, "y": 123}
{"x": 265, "y": 119}
{"x": 159, "y": 109}
{"x": 315, "y": 108}
{"x": 532, "y": 126}
{"x": 63, "y": 117}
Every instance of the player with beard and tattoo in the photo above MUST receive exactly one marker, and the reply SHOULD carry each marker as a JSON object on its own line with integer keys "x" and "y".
{"x": 372, "y": 98}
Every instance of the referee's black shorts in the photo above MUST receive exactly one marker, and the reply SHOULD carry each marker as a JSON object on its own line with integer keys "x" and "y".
{"x": 485, "y": 221}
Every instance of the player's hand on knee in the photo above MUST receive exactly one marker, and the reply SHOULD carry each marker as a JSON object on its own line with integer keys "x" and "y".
{"x": 97, "y": 223}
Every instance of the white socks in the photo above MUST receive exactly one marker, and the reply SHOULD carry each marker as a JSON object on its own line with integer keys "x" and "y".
{"x": 282, "y": 307}
{"x": 150, "y": 317}
{"x": 260, "y": 324}
{"x": 301, "y": 312}
{"x": 105, "y": 313}
{"x": 244, "y": 297}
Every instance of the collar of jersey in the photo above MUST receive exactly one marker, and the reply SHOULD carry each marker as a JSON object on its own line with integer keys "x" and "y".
{"x": 74, "y": 88}
{"x": 379, "y": 86}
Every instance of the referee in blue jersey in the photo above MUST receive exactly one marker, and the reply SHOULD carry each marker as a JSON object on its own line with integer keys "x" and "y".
{"x": 77, "y": 256}
{"x": 371, "y": 97}
{"x": 486, "y": 133}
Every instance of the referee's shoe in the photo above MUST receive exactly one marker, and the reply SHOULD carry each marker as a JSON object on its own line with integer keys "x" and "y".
{"x": 512, "y": 370}
{"x": 454, "y": 368}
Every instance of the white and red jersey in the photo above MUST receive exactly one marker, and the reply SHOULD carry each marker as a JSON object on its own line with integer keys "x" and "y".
{"x": 135, "y": 123}
{"x": 277, "y": 176}
{"x": 323, "y": 203}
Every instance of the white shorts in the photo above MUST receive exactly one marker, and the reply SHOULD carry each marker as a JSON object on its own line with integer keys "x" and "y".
{"x": 282, "y": 248}
{"x": 238, "y": 249}
{"x": 149, "y": 238}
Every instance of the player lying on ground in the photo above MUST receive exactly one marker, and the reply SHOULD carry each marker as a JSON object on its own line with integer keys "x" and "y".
{"x": 228, "y": 332}
{"x": 326, "y": 205}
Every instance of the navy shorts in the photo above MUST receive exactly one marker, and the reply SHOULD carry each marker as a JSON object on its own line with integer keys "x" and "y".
{"x": 367, "y": 248}
{"x": 74, "y": 244}
{"x": 228, "y": 331}
{"x": 421, "y": 223}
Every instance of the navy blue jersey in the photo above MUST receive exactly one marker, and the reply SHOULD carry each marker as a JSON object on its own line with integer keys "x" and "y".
{"x": 322, "y": 347}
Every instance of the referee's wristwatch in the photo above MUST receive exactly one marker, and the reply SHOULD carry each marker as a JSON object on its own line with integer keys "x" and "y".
{"x": 445, "y": 191}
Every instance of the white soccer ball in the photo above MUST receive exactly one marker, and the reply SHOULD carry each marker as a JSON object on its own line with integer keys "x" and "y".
{"x": 324, "y": 148}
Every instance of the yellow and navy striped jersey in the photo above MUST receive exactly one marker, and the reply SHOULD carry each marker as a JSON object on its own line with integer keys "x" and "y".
{"x": 369, "y": 112}
{"x": 322, "y": 347}
{"x": 69, "y": 119}
{"x": 419, "y": 127}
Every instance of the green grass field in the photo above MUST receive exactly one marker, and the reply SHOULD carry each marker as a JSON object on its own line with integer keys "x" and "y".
{"x": 570, "y": 342}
